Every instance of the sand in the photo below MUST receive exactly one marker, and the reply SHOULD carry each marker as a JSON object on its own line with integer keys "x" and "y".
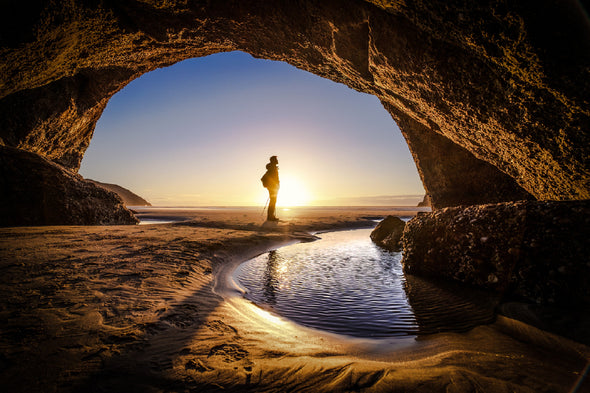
{"x": 152, "y": 308}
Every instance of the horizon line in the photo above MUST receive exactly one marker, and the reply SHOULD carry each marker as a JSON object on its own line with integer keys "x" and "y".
{"x": 259, "y": 205}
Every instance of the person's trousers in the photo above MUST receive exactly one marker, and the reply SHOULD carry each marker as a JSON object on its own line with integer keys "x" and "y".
{"x": 272, "y": 205}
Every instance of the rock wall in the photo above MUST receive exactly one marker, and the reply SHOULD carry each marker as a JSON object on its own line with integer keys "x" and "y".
{"x": 450, "y": 174}
{"x": 529, "y": 250}
{"x": 36, "y": 191}
{"x": 471, "y": 84}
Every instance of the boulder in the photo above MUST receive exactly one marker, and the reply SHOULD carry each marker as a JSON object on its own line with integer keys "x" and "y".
{"x": 529, "y": 251}
{"x": 36, "y": 191}
{"x": 388, "y": 233}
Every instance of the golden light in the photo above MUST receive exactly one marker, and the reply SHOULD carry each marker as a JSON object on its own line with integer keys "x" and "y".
{"x": 292, "y": 192}
{"x": 267, "y": 315}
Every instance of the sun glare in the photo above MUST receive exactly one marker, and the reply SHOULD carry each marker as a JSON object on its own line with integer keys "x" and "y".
{"x": 292, "y": 192}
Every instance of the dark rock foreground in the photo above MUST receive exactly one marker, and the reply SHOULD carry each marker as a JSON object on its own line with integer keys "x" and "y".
{"x": 531, "y": 251}
{"x": 35, "y": 191}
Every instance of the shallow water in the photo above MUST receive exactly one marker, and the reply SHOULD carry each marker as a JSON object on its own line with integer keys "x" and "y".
{"x": 345, "y": 284}
{"x": 149, "y": 221}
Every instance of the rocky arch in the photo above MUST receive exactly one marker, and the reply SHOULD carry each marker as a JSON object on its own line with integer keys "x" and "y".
{"x": 493, "y": 104}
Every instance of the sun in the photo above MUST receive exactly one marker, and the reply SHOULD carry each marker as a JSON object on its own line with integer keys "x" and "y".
{"x": 292, "y": 192}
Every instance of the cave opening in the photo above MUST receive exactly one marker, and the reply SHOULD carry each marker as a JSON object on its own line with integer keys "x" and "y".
{"x": 491, "y": 97}
{"x": 198, "y": 133}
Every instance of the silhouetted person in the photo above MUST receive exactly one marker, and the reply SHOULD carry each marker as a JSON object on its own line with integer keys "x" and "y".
{"x": 270, "y": 181}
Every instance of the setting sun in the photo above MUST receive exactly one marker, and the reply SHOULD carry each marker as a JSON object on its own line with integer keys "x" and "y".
{"x": 292, "y": 192}
{"x": 166, "y": 138}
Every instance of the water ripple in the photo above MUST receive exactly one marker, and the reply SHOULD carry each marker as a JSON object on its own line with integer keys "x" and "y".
{"x": 344, "y": 284}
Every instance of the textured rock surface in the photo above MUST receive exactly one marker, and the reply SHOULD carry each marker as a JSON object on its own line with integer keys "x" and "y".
{"x": 36, "y": 191}
{"x": 129, "y": 198}
{"x": 388, "y": 233}
{"x": 536, "y": 251}
{"x": 452, "y": 175}
{"x": 485, "y": 82}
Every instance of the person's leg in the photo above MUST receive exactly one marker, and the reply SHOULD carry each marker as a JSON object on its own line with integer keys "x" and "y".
{"x": 271, "y": 207}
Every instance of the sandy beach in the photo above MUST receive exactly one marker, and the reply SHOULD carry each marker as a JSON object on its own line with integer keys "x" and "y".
{"x": 151, "y": 308}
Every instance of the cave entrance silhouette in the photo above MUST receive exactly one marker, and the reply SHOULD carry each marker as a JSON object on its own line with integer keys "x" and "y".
{"x": 484, "y": 98}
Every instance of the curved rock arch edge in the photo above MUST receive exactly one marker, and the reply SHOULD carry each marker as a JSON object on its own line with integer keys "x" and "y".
{"x": 491, "y": 111}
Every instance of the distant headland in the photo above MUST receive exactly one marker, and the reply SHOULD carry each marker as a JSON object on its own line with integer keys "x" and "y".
{"x": 129, "y": 198}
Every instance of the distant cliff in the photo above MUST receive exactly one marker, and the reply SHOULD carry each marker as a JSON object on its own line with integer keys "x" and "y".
{"x": 425, "y": 202}
{"x": 128, "y": 197}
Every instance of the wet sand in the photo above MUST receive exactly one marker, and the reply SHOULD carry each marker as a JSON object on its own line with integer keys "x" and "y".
{"x": 151, "y": 308}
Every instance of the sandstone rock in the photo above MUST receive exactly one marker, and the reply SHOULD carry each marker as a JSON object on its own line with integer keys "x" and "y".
{"x": 36, "y": 191}
{"x": 129, "y": 198}
{"x": 388, "y": 233}
{"x": 451, "y": 175}
{"x": 533, "y": 251}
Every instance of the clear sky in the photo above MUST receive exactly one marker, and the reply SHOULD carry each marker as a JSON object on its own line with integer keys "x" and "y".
{"x": 199, "y": 133}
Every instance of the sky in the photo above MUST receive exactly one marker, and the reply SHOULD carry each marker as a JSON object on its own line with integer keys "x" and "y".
{"x": 200, "y": 132}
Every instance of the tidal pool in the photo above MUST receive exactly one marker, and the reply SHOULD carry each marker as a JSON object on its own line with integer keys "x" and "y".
{"x": 345, "y": 284}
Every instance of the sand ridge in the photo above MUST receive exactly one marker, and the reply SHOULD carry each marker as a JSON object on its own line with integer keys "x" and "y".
{"x": 147, "y": 308}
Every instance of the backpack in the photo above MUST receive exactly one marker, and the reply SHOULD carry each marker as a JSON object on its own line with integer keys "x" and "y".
{"x": 265, "y": 179}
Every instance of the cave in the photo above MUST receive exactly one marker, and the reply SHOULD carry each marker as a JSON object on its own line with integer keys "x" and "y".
{"x": 493, "y": 108}
{"x": 493, "y": 105}
{"x": 492, "y": 98}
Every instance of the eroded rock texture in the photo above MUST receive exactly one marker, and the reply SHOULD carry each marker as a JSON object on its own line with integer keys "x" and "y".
{"x": 533, "y": 251}
{"x": 36, "y": 191}
{"x": 453, "y": 173}
{"x": 481, "y": 90}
